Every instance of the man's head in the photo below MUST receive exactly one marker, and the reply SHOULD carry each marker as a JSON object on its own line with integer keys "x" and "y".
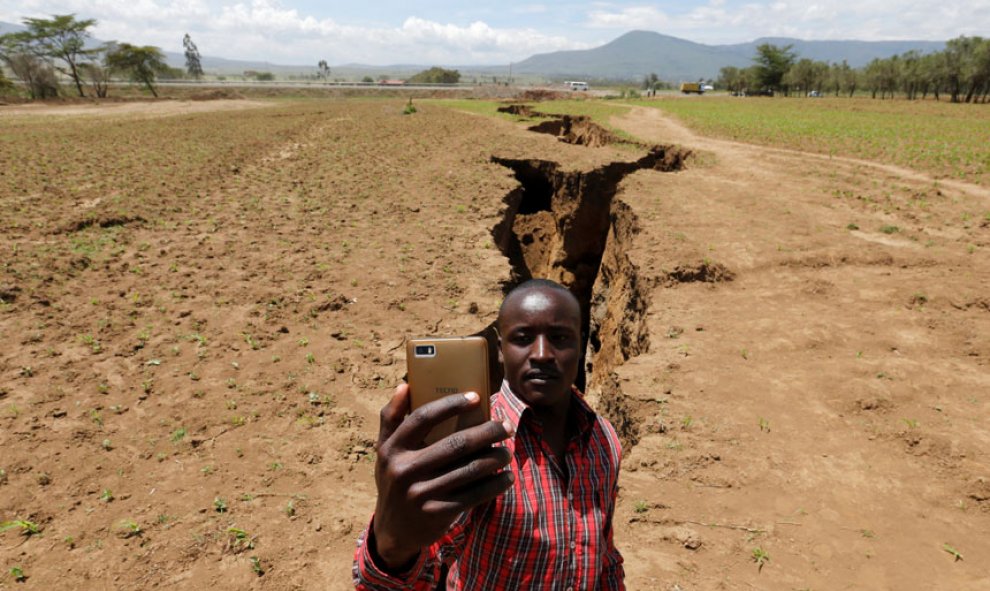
{"x": 539, "y": 326}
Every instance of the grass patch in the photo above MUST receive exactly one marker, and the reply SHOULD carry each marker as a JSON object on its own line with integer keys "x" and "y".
{"x": 937, "y": 137}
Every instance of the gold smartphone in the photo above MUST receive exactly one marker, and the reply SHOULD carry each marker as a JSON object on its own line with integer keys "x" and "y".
{"x": 439, "y": 367}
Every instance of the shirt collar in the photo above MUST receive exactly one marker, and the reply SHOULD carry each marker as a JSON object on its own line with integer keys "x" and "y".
{"x": 514, "y": 408}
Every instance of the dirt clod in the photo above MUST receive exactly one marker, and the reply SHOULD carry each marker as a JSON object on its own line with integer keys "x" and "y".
{"x": 704, "y": 272}
{"x": 103, "y": 221}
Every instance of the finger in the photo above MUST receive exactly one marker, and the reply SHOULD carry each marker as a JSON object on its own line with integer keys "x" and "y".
{"x": 420, "y": 422}
{"x": 393, "y": 413}
{"x": 480, "y": 492}
{"x": 476, "y": 467}
{"x": 461, "y": 444}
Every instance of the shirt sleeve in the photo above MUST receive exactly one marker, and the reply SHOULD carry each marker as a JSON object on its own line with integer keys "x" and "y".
{"x": 422, "y": 576}
{"x": 613, "y": 572}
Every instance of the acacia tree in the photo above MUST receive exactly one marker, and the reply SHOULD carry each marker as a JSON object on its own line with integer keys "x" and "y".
{"x": 61, "y": 38}
{"x": 5, "y": 84}
{"x": 35, "y": 73}
{"x": 772, "y": 62}
{"x": 141, "y": 63}
{"x": 194, "y": 67}
{"x": 97, "y": 72}
{"x": 732, "y": 79}
{"x": 807, "y": 75}
{"x": 651, "y": 82}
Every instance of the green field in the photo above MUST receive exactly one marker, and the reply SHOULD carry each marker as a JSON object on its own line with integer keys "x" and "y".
{"x": 947, "y": 140}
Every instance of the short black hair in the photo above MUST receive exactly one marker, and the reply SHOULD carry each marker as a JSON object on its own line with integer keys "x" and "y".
{"x": 530, "y": 285}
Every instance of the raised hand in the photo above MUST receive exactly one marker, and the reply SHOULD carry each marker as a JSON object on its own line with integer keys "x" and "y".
{"x": 422, "y": 489}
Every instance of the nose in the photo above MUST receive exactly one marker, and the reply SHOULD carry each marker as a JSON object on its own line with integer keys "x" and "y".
{"x": 542, "y": 351}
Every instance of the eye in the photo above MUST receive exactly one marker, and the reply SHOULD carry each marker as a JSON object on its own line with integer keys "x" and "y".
{"x": 520, "y": 338}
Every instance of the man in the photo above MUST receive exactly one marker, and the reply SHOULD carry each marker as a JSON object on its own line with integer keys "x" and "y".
{"x": 524, "y": 501}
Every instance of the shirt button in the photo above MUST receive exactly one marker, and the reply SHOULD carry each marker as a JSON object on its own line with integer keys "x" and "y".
{"x": 573, "y": 544}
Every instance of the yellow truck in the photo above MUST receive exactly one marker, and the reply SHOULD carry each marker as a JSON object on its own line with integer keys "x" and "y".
{"x": 689, "y": 87}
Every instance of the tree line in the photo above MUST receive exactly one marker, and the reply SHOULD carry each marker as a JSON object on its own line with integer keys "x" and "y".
{"x": 961, "y": 72}
{"x": 63, "y": 44}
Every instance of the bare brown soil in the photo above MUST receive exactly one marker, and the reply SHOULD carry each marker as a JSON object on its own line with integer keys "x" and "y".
{"x": 194, "y": 365}
{"x": 815, "y": 387}
{"x": 203, "y": 104}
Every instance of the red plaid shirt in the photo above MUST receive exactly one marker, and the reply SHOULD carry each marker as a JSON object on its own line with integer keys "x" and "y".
{"x": 546, "y": 532}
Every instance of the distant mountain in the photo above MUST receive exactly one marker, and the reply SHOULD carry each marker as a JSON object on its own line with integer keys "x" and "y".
{"x": 219, "y": 65}
{"x": 9, "y": 28}
{"x": 634, "y": 55}
{"x": 639, "y": 53}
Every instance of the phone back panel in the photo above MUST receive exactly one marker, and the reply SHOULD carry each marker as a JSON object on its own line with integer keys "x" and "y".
{"x": 457, "y": 365}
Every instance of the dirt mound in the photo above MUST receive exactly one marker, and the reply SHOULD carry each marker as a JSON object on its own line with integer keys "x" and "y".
{"x": 703, "y": 272}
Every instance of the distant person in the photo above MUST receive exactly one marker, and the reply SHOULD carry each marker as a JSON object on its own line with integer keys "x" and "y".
{"x": 524, "y": 501}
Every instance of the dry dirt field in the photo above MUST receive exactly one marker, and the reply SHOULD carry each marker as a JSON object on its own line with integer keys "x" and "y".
{"x": 203, "y": 310}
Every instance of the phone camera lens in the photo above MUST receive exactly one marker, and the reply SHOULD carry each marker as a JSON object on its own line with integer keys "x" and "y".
{"x": 425, "y": 350}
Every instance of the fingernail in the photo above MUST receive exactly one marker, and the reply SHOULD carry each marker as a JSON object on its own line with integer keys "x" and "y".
{"x": 508, "y": 428}
{"x": 472, "y": 396}
{"x": 512, "y": 476}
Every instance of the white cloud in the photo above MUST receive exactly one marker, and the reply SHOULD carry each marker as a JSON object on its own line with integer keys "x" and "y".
{"x": 719, "y": 21}
{"x": 634, "y": 17}
{"x": 267, "y": 30}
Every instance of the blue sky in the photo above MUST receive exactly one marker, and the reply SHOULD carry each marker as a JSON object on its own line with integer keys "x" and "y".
{"x": 467, "y": 33}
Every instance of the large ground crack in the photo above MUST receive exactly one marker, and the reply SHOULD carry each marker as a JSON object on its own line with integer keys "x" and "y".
{"x": 567, "y": 226}
{"x": 570, "y": 129}
{"x": 580, "y": 131}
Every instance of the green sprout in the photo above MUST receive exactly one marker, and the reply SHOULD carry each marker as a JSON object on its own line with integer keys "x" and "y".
{"x": 18, "y": 574}
{"x": 28, "y": 528}
{"x": 955, "y": 553}
{"x": 760, "y": 557}
{"x": 256, "y": 567}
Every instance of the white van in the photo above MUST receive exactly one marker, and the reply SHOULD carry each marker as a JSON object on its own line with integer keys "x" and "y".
{"x": 576, "y": 85}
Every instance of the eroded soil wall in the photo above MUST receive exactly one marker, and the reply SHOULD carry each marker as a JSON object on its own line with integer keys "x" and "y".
{"x": 567, "y": 226}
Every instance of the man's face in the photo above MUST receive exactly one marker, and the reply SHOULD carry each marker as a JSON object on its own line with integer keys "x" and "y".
{"x": 540, "y": 345}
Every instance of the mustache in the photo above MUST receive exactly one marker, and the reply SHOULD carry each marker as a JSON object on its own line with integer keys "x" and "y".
{"x": 541, "y": 372}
